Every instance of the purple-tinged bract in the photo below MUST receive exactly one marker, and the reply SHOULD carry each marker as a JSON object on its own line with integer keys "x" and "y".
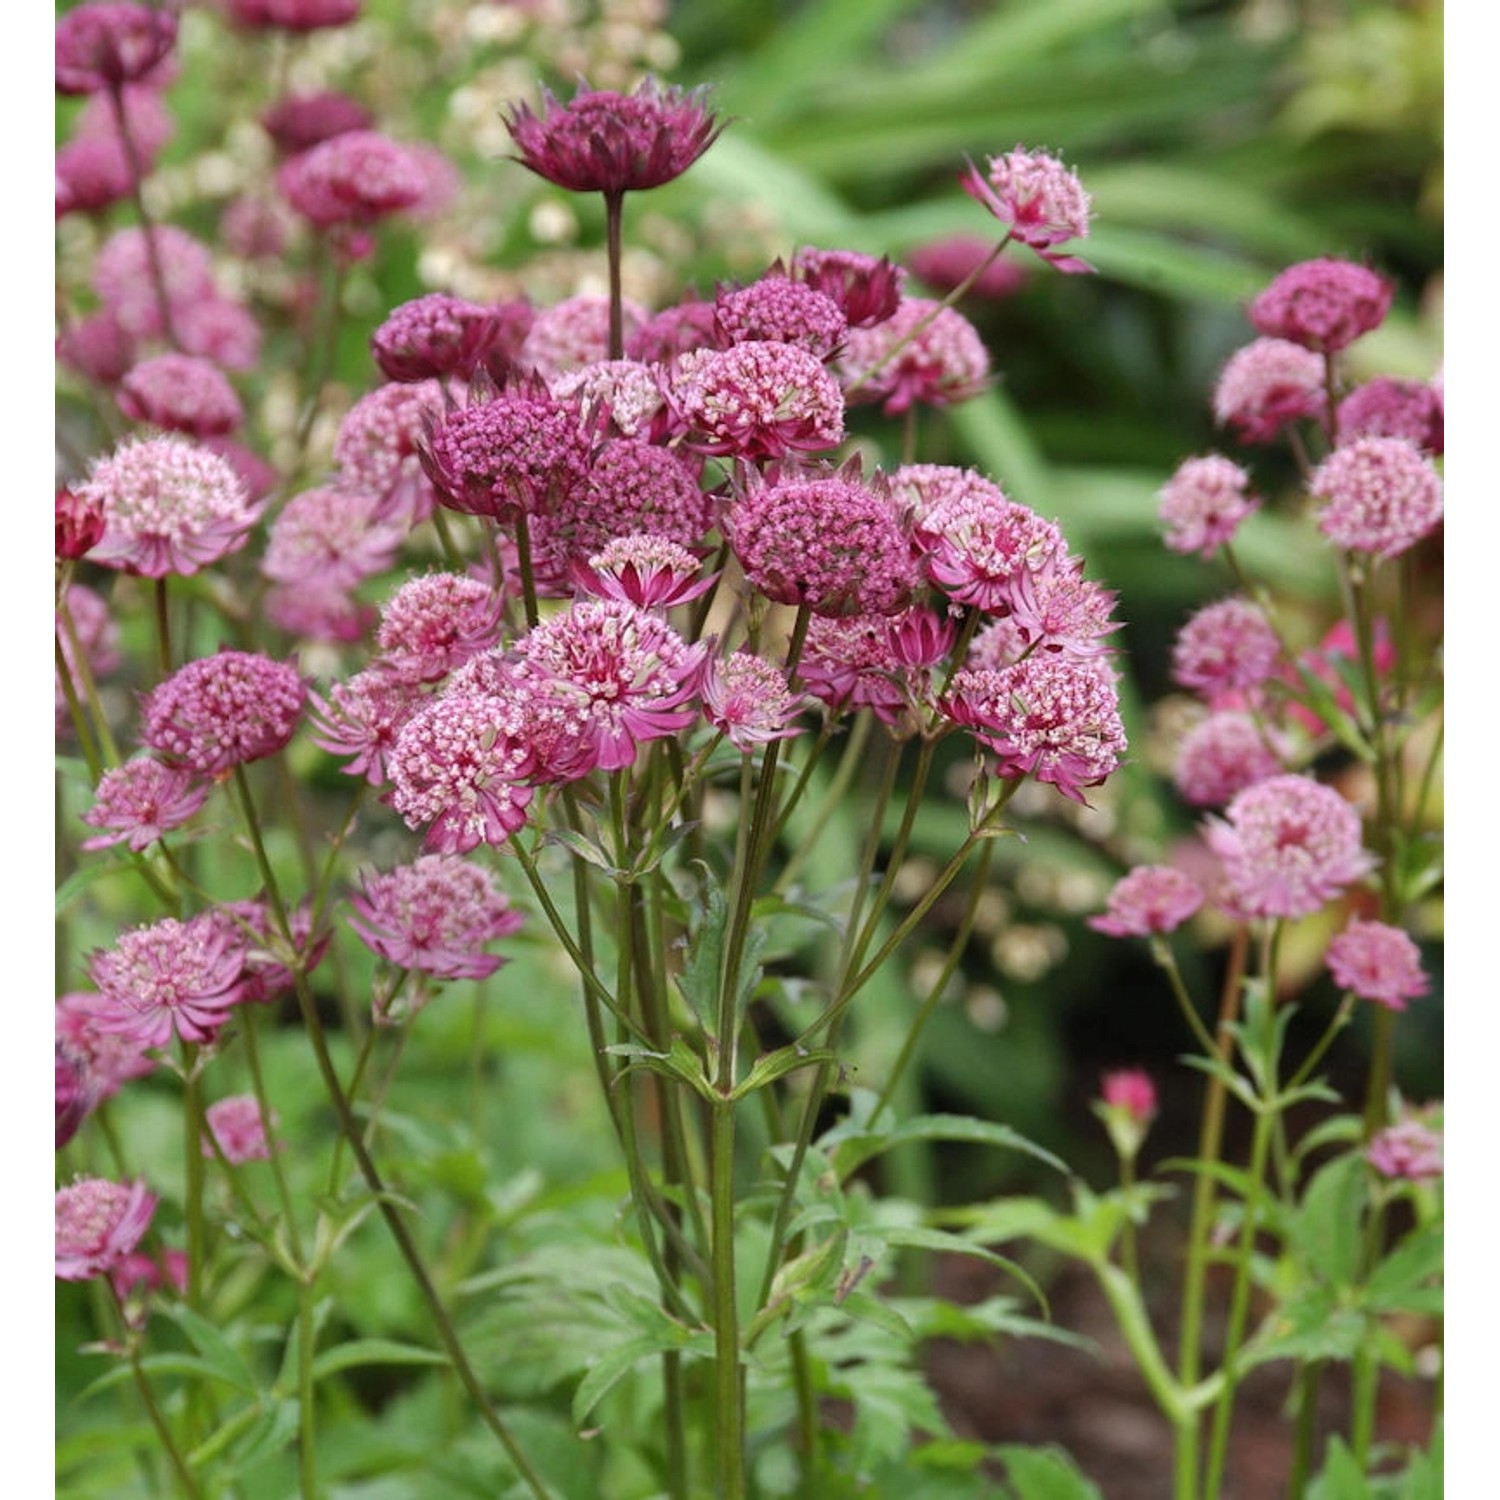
{"x": 867, "y": 290}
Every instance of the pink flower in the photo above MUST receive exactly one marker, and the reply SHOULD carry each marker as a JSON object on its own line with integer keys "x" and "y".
{"x": 1328, "y": 662}
{"x": 98, "y": 347}
{"x": 89, "y": 175}
{"x": 1203, "y": 504}
{"x": 265, "y": 967}
{"x": 139, "y": 802}
{"x": 171, "y": 977}
{"x": 675, "y": 330}
{"x": 376, "y": 447}
{"x": 1056, "y": 718}
{"x": 317, "y": 613}
{"x": 221, "y": 711}
{"x": 780, "y": 309}
{"x": 924, "y": 354}
{"x": 747, "y": 699}
{"x": 435, "y": 915}
{"x": 352, "y": 179}
{"x": 298, "y": 122}
{"x": 1223, "y": 754}
{"x": 220, "y": 330}
{"x": 433, "y": 336}
{"x": 362, "y": 718}
{"x": 170, "y": 506}
{"x": 757, "y": 400}
{"x": 611, "y": 143}
{"x": 573, "y": 333}
{"x": 1386, "y": 407}
{"x": 125, "y": 284}
{"x": 1289, "y": 845}
{"x": 1322, "y": 304}
{"x": 834, "y": 544}
{"x": 182, "y": 393}
{"x": 625, "y": 393}
{"x": 109, "y": 1060}
{"x": 1224, "y": 648}
{"x": 255, "y": 228}
{"x": 137, "y": 1273}
{"x": 946, "y": 264}
{"x": 107, "y": 43}
{"x": 147, "y": 117}
{"x": 1377, "y": 962}
{"x": 1378, "y": 495}
{"x": 1149, "y": 900}
{"x": 293, "y": 15}
{"x": 79, "y": 523}
{"x": 238, "y": 1126}
{"x": 1038, "y": 200}
{"x": 436, "y": 622}
{"x": 72, "y": 1093}
{"x": 1266, "y": 385}
{"x": 851, "y": 663}
{"x": 1130, "y": 1091}
{"x": 98, "y": 638}
{"x": 647, "y": 571}
{"x": 867, "y": 290}
{"x": 332, "y": 537}
{"x": 1408, "y": 1151}
{"x": 98, "y": 1223}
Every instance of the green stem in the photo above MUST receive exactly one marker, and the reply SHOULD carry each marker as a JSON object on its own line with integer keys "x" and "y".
{"x": 262, "y": 1098}
{"x": 307, "y": 1447}
{"x": 116, "y": 95}
{"x": 1305, "y": 1400}
{"x": 185, "y": 1480}
{"x": 729, "y": 1422}
{"x": 163, "y": 628}
{"x": 614, "y": 216}
{"x": 193, "y": 1127}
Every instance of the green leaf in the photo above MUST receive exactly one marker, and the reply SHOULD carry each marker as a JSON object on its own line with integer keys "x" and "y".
{"x": 921, "y": 1237}
{"x": 1327, "y": 1229}
{"x": 1342, "y": 1478}
{"x": 609, "y": 1368}
{"x": 274, "y": 1432}
{"x": 778, "y": 1064}
{"x": 679, "y": 1062}
{"x": 1401, "y": 1282}
{"x": 373, "y": 1352}
{"x": 1045, "y": 1474}
{"x": 852, "y": 1146}
{"x": 221, "y": 1356}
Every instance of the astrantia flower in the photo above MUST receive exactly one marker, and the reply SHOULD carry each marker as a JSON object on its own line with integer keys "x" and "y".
{"x": 851, "y": 663}
{"x": 1149, "y": 900}
{"x": 139, "y": 802}
{"x": 97, "y": 637}
{"x": 239, "y": 1128}
{"x": 924, "y": 354}
{"x": 573, "y": 333}
{"x": 1289, "y": 845}
{"x": 867, "y": 290}
{"x": 98, "y": 347}
{"x": 221, "y": 711}
{"x": 362, "y": 719}
{"x": 107, "y": 43}
{"x": 98, "y": 1223}
{"x": 316, "y": 613}
{"x": 1378, "y": 962}
{"x": 266, "y": 961}
{"x": 1066, "y": 611}
{"x": 611, "y": 143}
{"x": 332, "y": 537}
{"x": 147, "y": 118}
{"x": 79, "y": 523}
{"x": 170, "y": 506}
{"x": 436, "y": 622}
{"x": 1378, "y": 495}
{"x": 647, "y": 571}
{"x": 945, "y": 265}
{"x": 433, "y": 336}
{"x": 109, "y": 1059}
{"x": 1203, "y": 504}
{"x": 89, "y": 175}
{"x": 1039, "y": 201}
{"x": 757, "y": 400}
{"x": 353, "y": 178}
{"x": 125, "y": 281}
{"x": 631, "y": 675}
{"x": 297, "y": 122}
{"x": 835, "y": 544}
{"x": 1407, "y": 1151}
{"x": 625, "y": 393}
{"x": 675, "y": 330}
{"x": 747, "y": 699}
{"x": 1329, "y": 663}
{"x": 778, "y": 309}
{"x": 221, "y": 330}
{"x": 1322, "y": 304}
{"x": 1223, "y": 754}
{"x": 181, "y": 393}
{"x": 460, "y": 765}
{"x": 1266, "y": 385}
{"x": 1130, "y": 1091}
{"x": 72, "y": 1096}
{"x": 293, "y": 15}
{"x": 1223, "y": 648}
{"x": 1387, "y": 407}
{"x": 1056, "y": 718}
{"x": 171, "y": 977}
{"x": 376, "y": 446}
{"x": 436, "y": 915}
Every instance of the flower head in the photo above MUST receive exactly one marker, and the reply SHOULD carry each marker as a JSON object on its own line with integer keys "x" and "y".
{"x": 436, "y": 915}
{"x": 648, "y": 571}
{"x": 867, "y": 290}
{"x": 125, "y": 282}
{"x": 1131, "y": 1091}
{"x": 1149, "y": 900}
{"x": 239, "y": 1128}
{"x": 1222, "y": 754}
{"x": 106, "y": 43}
{"x": 107, "y": 1059}
{"x": 99, "y": 1223}
{"x": 218, "y": 712}
{"x": 624, "y": 392}
{"x": 1387, "y": 407}
{"x": 778, "y": 309}
{"x": 606, "y": 142}
{"x": 850, "y": 662}
{"x": 1409, "y": 1151}
{"x": 1265, "y": 385}
{"x": 91, "y": 174}
{"x": 1039, "y": 201}
{"x": 79, "y": 522}
{"x": 1224, "y": 648}
{"x": 924, "y": 354}
{"x": 298, "y": 122}
{"x": 1378, "y": 495}
{"x": 377, "y": 443}
{"x": 293, "y": 15}
{"x": 1322, "y": 304}
{"x": 363, "y": 717}
{"x": 170, "y": 506}
{"x": 1288, "y": 845}
{"x": 433, "y": 336}
{"x": 182, "y": 393}
{"x": 436, "y": 622}
{"x": 747, "y": 699}
{"x": 1203, "y": 503}
{"x": 1377, "y": 962}
{"x": 573, "y": 333}
{"x": 684, "y": 326}
{"x": 332, "y": 536}
{"x": 98, "y": 347}
{"x": 170, "y": 977}
{"x": 139, "y": 802}
{"x": 353, "y": 178}
{"x": 945, "y": 265}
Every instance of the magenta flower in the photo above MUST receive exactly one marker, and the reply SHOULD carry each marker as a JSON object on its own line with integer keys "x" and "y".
{"x": 747, "y": 699}
{"x": 173, "y": 977}
{"x": 220, "y": 330}
{"x": 1387, "y": 407}
{"x": 433, "y": 336}
{"x": 238, "y": 1126}
{"x": 222, "y": 711}
{"x": 98, "y": 638}
{"x": 924, "y": 354}
{"x": 1378, "y": 495}
{"x": 170, "y": 506}
{"x": 89, "y": 175}
{"x": 867, "y": 290}
{"x": 108, "y": 43}
{"x": 1053, "y": 717}
{"x": 332, "y": 537}
{"x": 1289, "y": 845}
{"x": 436, "y": 622}
{"x": 1329, "y": 662}
{"x": 317, "y": 613}
{"x": 79, "y": 523}
{"x": 181, "y": 393}
{"x": 139, "y": 802}
{"x": 109, "y": 1060}
{"x": 685, "y": 326}
{"x": 1147, "y": 901}
{"x": 293, "y": 15}
{"x": 352, "y": 179}
{"x": 1038, "y": 200}
{"x": 1322, "y": 304}
{"x": 376, "y": 447}
{"x": 265, "y": 968}
{"x": 778, "y": 309}
{"x": 126, "y": 287}
{"x": 362, "y": 719}
{"x": 852, "y": 663}
{"x": 945, "y": 265}
{"x": 298, "y": 122}
{"x": 1266, "y": 385}
{"x": 611, "y": 143}
{"x": 1203, "y": 504}
{"x": 1130, "y": 1091}
{"x": 72, "y": 1093}
{"x": 835, "y": 544}
{"x": 461, "y": 765}
{"x": 647, "y": 571}
{"x": 99, "y": 1223}
{"x": 756, "y": 400}
{"x": 624, "y": 394}
{"x": 1408, "y": 1151}
{"x": 98, "y": 347}
{"x": 137, "y": 1274}
{"x": 1377, "y": 962}
{"x": 573, "y": 333}
{"x": 436, "y": 915}
{"x": 1224, "y": 648}
{"x": 1223, "y": 754}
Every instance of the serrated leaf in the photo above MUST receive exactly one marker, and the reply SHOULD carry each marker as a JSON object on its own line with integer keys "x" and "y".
{"x": 923, "y": 1237}
{"x": 778, "y": 1064}
{"x": 867, "y": 1308}
{"x": 1401, "y": 1282}
{"x": 373, "y": 1352}
{"x": 585, "y": 849}
{"x": 222, "y": 1357}
{"x": 608, "y": 1369}
{"x": 679, "y": 1062}
{"x": 1045, "y": 1474}
{"x": 1327, "y": 1229}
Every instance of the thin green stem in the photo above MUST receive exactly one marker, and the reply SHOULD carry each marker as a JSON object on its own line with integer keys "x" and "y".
{"x": 307, "y": 1442}
{"x": 193, "y": 1176}
{"x": 614, "y": 217}
{"x": 729, "y": 1417}
{"x": 1305, "y": 1403}
{"x": 184, "y": 1475}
